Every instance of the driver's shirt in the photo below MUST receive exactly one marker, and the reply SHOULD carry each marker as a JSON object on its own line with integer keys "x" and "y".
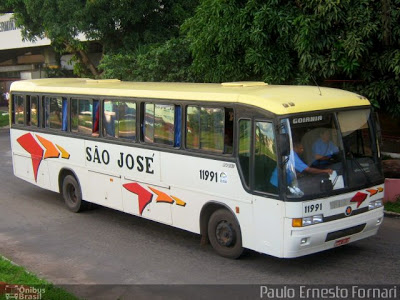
{"x": 299, "y": 165}
{"x": 324, "y": 148}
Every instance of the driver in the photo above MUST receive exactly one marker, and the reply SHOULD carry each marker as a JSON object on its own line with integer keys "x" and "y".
{"x": 299, "y": 165}
{"x": 323, "y": 149}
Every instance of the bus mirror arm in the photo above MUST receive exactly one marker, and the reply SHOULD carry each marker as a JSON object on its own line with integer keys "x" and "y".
{"x": 284, "y": 144}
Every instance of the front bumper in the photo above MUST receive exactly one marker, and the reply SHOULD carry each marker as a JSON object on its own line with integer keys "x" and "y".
{"x": 316, "y": 238}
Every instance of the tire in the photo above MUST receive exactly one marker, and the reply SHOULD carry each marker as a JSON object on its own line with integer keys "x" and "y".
{"x": 224, "y": 234}
{"x": 72, "y": 194}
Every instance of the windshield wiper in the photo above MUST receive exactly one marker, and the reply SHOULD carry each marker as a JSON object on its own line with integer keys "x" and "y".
{"x": 357, "y": 163}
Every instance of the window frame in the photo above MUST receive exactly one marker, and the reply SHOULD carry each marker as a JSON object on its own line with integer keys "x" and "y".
{"x": 153, "y": 141}
{"x": 117, "y": 136}
{"x": 44, "y": 110}
{"x": 14, "y": 115}
{"x": 226, "y": 110}
{"x": 38, "y": 113}
{"x": 92, "y": 100}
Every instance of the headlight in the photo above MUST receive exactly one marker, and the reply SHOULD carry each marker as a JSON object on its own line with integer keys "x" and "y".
{"x": 307, "y": 221}
{"x": 375, "y": 204}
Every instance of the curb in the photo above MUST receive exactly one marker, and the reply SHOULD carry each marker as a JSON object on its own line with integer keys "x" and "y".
{"x": 10, "y": 261}
{"x": 392, "y": 155}
{"x": 391, "y": 214}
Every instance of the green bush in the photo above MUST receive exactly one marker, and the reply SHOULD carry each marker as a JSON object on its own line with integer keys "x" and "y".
{"x": 4, "y": 118}
{"x": 169, "y": 61}
{"x": 393, "y": 206}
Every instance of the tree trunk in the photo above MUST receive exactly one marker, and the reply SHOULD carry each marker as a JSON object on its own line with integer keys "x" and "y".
{"x": 84, "y": 58}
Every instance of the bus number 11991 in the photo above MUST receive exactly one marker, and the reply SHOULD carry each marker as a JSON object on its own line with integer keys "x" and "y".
{"x": 312, "y": 208}
{"x": 208, "y": 175}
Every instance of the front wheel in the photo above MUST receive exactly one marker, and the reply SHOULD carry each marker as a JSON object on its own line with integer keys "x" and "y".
{"x": 224, "y": 234}
{"x": 72, "y": 194}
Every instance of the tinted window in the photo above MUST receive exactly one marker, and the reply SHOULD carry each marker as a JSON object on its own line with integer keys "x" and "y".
{"x": 159, "y": 123}
{"x": 244, "y": 147}
{"x": 193, "y": 127}
{"x": 18, "y": 109}
{"x": 265, "y": 158}
{"x": 209, "y": 129}
{"x": 53, "y": 112}
{"x": 85, "y": 116}
{"x": 119, "y": 119}
{"x": 34, "y": 110}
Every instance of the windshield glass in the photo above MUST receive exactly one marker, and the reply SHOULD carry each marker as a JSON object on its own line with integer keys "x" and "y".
{"x": 360, "y": 147}
{"x": 329, "y": 152}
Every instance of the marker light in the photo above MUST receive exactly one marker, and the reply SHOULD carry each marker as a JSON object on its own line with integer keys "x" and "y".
{"x": 297, "y": 222}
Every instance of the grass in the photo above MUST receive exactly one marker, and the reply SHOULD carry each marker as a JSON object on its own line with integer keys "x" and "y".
{"x": 393, "y": 206}
{"x": 12, "y": 275}
{"x": 4, "y": 118}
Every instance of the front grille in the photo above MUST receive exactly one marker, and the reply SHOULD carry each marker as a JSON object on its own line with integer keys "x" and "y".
{"x": 342, "y": 216}
{"x": 344, "y": 232}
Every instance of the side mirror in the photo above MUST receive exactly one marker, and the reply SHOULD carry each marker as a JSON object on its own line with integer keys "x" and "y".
{"x": 284, "y": 144}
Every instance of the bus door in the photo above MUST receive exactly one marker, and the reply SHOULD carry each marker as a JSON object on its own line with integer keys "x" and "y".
{"x": 258, "y": 159}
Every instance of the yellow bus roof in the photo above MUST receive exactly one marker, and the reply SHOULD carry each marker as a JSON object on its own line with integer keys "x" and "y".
{"x": 278, "y": 99}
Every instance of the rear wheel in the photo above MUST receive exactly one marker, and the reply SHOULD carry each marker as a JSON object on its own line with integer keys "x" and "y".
{"x": 224, "y": 234}
{"x": 72, "y": 194}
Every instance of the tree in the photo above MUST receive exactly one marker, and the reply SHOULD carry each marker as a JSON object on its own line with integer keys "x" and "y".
{"x": 56, "y": 20}
{"x": 119, "y": 25}
{"x": 4, "y": 8}
{"x": 354, "y": 44}
{"x": 168, "y": 61}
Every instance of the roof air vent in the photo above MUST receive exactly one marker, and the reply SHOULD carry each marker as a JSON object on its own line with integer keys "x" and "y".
{"x": 102, "y": 80}
{"x": 244, "y": 84}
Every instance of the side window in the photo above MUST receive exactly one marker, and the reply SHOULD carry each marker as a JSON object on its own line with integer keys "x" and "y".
{"x": 193, "y": 127}
{"x": 18, "y": 109}
{"x": 149, "y": 123}
{"x": 74, "y": 115}
{"x": 244, "y": 148}
{"x": 110, "y": 118}
{"x": 119, "y": 119}
{"x": 265, "y": 158}
{"x": 34, "y": 111}
{"x": 159, "y": 123}
{"x": 127, "y": 120}
{"x": 164, "y": 123}
{"x": 212, "y": 129}
{"x": 209, "y": 129}
{"x": 85, "y": 116}
{"x": 55, "y": 113}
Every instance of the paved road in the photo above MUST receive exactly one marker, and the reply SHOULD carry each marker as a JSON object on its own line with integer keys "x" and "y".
{"x": 109, "y": 247}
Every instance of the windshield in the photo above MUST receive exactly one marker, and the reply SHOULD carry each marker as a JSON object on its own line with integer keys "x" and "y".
{"x": 330, "y": 152}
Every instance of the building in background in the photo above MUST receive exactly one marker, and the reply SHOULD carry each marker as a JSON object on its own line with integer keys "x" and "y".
{"x": 29, "y": 60}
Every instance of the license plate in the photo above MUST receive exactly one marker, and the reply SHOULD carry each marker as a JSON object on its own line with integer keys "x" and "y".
{"x": 342, "y": 242}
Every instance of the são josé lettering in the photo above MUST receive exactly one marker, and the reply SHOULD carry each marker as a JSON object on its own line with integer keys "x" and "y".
{"x": 141, "y": 163}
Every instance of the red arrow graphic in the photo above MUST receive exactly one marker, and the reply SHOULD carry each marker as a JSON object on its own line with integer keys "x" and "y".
{"x": 33, "y": 148}
{"x": 145, "y": 196}
{"x": 359, "y": 198}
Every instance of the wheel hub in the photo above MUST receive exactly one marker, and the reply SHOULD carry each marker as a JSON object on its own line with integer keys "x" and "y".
{"x": 225, "y": 234}
{"x": 72, "y": 193}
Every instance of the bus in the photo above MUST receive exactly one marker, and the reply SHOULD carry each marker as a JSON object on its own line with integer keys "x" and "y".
{"x": 218, "y": 160}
